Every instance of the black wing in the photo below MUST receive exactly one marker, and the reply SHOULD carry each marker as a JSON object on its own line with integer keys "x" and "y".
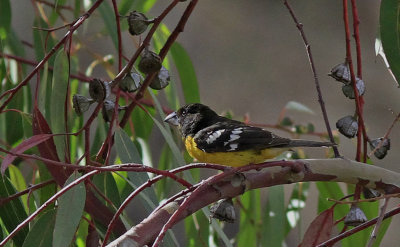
{"x": 230, "y": 136}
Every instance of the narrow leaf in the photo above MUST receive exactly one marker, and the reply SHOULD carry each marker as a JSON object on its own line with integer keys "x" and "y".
{"x": 319, "y": 230}
{"x": 390, "y": 34}
{"x": 59, "y": 93}
{"x": 186, "y": 72}
{"x": 69, "y": 213}
{"x": 25, "y": 145}
{"x": 40, "y": 234}
{"x": 5, "y": 18}
{"x": 296, "y": 106}
{"x": 13, "y": 212}
{"x": 274, "y": 218}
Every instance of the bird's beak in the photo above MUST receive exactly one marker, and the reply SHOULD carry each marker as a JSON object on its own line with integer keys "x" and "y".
{"x": 172, "y": 119}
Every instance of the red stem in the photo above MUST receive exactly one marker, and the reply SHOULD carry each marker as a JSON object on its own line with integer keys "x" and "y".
{"x": 356, "y": 229}
{"x": 47, "y": 203}
{"x": 77, "y": 24}
{"x": 115, "y": 7}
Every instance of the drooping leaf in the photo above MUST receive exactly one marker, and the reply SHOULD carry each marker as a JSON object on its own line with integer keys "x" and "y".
{"x": 69, "y": 213}
{"x": 186, "y": 73}
{"x": 57, "y": 103}
{"x": 41, "y": 233}
{"x": 13, "y": 212}
{"x": 273, "y": 226}
{"x": 5, "y": 18}
{"x": 249, "y": 218}
{"x": 319, "y": 230}
{"x": 389, "y": 21}
{"x": 108, "y": 16}
{"x": 197, "y": 230}
{"x": 25, "y": 145}
{"x": 296, "y": 106}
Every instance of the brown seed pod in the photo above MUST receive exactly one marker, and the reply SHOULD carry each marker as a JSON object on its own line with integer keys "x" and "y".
{"x": 161, "y": 80}
{"x": 348, "y": 126}
{"x": 355, "y": 216}
{"x": 99, "y": 90}
{"x": 137, "y": 22}
{"x": 81, "y": 103}
{"x": 381, "y": 152}
{"x": 131, "y": 82}
{"x": 341, "y": 72}
{"x": 150, "y": 62}
{"x": 223, "y": 210}
{"x": 348, "y": 89}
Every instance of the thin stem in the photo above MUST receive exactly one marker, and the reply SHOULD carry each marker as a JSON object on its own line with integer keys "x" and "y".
{"x": 361, "y": 227}
{"x": 75, "y": 26}
{"x": 47, "y": 203}
{"x": 378, "y": 223}
{"x": 28, "y": 190}
{"x": 317, "y": 86}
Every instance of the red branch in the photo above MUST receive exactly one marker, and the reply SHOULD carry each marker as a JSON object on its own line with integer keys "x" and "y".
{"x": 75, "y": 26}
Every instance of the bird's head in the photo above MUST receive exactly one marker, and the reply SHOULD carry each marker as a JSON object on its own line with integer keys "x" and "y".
{"x": 192, "y": 118}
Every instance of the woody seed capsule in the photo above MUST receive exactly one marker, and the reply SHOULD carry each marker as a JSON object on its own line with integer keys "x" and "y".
{"x": 348, "y": 126}
{"x": 130, "y": 83}
{"x": 81, "y": 103}
{"x": 161, "y": 80}
{"x": 381, "y": 152}
{"x": 348, "y": 89}
{"x": 99, "y": 90}
{"x": 150, "y": 62}
{"x": 355, "y": 216}
{"x": 223, "y": 210}
{"x": 137, "y": 23}
{"x": 341, "y": 72}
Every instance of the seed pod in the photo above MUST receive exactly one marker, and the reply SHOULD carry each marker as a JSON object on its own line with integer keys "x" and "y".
{"x": 223, "y": 210}
{"x": 99, "y": 90}
{"x": 381, "y": 152}
{"x": 370, "y": 193}
{"x": 355, "y": 216}
{"x": 81, "y": 103}
{"x": 131, "y": 82}
{"x": 161, "y": 80}
{"x": 341, "y": 72}
{"x": 348, "y": 89}
{"x": 108, "y": 110}
{"x": 137, "y": 23}
{"x": 150, "y": 62}
{"x": 348, "y": 126}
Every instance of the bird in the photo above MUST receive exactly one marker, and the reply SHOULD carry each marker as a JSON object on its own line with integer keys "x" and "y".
{"x": 211, "y": 138}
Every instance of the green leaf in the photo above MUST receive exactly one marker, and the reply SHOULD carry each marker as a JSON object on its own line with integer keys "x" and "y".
{"x": 273, "y": 225}
{"x": 128, "y": 153}
{"x": 18, "y": 181}
{"x": 39, "y": 234}
{"x": 197, "y": 230}
{"x": 59, "y": 92}
{"x": 389, "y": 21}
{"x": 144, "y": 5}
{"x": 126, "y": 149}
{"x": 107, "y": 13}
{"x": 249, "y": 219}
{"x": 296, "y": 106}
{"x": 106, "y": 184}
{"x": 5, "y": 18}
{"x": 13, "y": 212}
{"x": 186, "y": 73}
{"x": 382, "y": 230}
{"x": 69, "y": 213}
{"x": 296, "y": 203}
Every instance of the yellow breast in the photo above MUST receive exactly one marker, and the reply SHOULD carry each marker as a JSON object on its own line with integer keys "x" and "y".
{"x": 235, "y": 159}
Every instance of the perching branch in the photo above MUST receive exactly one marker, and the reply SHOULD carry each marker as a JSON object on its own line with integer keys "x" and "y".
{"x": 259, "y": 176}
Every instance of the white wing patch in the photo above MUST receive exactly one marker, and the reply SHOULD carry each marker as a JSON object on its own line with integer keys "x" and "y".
{"x": 214, "y": 136}
{"x": 233, "y": 147}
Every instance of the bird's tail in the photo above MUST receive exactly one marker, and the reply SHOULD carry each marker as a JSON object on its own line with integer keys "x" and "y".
{"x": 307, "y": 143}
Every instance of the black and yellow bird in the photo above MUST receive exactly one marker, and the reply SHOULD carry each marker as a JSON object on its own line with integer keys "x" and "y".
{"x": 211, "y": 138}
